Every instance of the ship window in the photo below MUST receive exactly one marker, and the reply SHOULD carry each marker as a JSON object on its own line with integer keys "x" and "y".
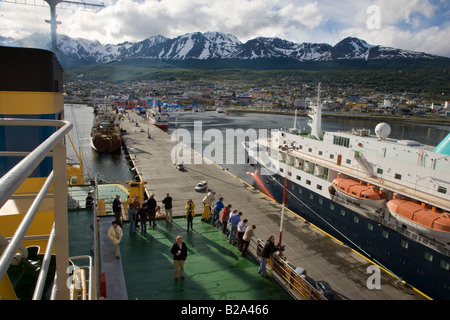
{"x": 311, "y": 196}
{"x": 293, "y": 187}
{"x": 385, "y": 234}
{"x": 310, "y": 150}
{"x": 319, "y": 187}
{"x": 320, "y": 200}
{"x": 342, "y": 212}
{"x": 428, "y": 256}
{"x": 289, "y": 174}
{"x": 444, "y": 264}
{"x": 369, "y": 226}
{"x": 404, "y": 244}
{"x": 348, "y": 161}
{"x": 341, "y": 141}
{"x": 442, "y": 190}
{"x": 308, "y": 182}
{"x": 356, "y": 219}
{"x": 299, "y": 178}
{"x": 331, "y": 156}
{"x": 354, "y": 193}
{"x": 320, "y": 153}
{"x": 301, "y": 147}
{"x": 332, "y": 206}
{"x": 281, "y": 169}
{"x": 380, "y": 171}
{"x": 398, "y": 176}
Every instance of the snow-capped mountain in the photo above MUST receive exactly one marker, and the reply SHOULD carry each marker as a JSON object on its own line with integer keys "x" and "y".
{"x": 209, "y": 45}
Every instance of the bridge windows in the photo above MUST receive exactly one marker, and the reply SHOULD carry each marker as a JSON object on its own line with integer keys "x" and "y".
{"x": 341, "y": 141}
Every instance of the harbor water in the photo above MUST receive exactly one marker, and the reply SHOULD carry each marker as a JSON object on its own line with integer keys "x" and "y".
{"x": 204, "y": 128}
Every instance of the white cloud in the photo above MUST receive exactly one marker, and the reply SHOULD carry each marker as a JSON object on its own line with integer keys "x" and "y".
{"x": 406, "y": 24}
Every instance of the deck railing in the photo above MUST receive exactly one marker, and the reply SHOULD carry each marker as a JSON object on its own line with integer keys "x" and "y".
{"x": 284, "y": 273}
{"x": 53, "y": 146}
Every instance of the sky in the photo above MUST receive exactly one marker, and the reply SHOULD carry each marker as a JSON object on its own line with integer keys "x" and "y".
{"x": 418, "y": 25}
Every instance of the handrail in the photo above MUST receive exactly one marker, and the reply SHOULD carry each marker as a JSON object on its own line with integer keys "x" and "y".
{"x": 14, "y": 178}
{"x": 285, "y": 275}
{"x": 40, "y": 283}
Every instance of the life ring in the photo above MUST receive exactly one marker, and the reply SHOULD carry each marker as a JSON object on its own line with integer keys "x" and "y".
{"x": 22, "y": 251}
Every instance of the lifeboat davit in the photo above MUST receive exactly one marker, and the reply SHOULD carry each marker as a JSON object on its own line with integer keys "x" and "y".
{"x": 359, "y": 192}
{"x": 423, "y": 220}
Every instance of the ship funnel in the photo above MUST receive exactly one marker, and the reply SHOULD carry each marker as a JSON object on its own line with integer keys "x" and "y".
{"x": 444, "y": 146}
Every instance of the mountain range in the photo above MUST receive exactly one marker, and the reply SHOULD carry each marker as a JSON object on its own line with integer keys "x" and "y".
{"x": 210, "y": 46}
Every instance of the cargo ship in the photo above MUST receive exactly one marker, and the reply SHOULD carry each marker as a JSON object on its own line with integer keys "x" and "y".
{"x": 386, "y": 198}
{"x": 106, "y": 136}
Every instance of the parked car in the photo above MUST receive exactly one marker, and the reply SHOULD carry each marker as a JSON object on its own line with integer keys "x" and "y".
{"x": 201, "y": 186}
{"x": 324, "y": 288}
{"x": 180, "y": 166}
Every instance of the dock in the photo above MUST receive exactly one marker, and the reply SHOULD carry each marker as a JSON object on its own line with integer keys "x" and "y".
{"x": 324, "y": 257}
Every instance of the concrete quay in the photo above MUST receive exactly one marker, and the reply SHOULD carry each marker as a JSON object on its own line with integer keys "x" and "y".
{"x": 322, "y": 256}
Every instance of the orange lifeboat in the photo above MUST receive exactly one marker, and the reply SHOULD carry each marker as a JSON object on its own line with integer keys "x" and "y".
{"x": 359, "y": 192}
{"x": 424, "y": 220}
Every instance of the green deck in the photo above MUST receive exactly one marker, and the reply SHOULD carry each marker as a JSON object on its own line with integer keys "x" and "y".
{"x": 214, "y": 269}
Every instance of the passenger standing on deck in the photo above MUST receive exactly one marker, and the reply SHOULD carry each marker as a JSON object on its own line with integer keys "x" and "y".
{"x": 143, "y": 212}
{"x": 179, "y": 251}
{"x": 240, "y": 233}
{"x": 132, "y": 216}
{"x": 208, "y": 201}
{"x": 248, "y": 234}
{"x": 115, "y": 234}
{"x": 151, "y": 203}
{"x": 224, "y": 218}
{"x": 117, "y": 209}
{"x": 267, "y": 251}
{"x": 137, "y": 207}
{"x": 89, "y": 201}
{"x": 234, "y": 221}
{"x": 190, "y": 214}
{"x": 167, "y": 201}
{"x": 217, "y": 208}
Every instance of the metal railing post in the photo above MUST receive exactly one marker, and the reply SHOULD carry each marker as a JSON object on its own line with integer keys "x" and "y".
{"x": 61, "y": 221}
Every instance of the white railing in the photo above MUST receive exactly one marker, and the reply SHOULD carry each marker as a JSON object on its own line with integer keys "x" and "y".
{"x": 53, "y": 146}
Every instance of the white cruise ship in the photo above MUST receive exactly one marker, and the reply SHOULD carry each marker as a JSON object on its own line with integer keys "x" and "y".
{"x": 387, "y": 198}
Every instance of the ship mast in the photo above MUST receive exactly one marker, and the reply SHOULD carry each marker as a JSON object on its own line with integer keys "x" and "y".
{"x": 316, "y": 115}
{"x": 53, "y": 3}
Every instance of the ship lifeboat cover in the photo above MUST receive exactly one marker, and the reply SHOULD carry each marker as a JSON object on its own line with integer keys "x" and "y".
{"x": 357, "y": 189}
{"x": 423, "y": 216}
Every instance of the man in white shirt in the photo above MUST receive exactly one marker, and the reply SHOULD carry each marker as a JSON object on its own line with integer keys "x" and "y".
{"x": 115, "y": 234}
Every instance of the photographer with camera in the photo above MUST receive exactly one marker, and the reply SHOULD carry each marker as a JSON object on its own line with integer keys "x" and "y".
{"x": 268, "y": 249}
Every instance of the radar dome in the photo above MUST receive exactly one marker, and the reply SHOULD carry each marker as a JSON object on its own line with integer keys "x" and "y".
{"x": 382, "y": 130}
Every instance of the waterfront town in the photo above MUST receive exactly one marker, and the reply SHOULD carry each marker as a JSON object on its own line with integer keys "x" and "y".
{"x": 232, "y": 96}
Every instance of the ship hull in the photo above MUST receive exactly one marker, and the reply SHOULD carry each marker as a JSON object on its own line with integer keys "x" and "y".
{"x": 391, "y": 249}
{"x": 106, "y": 145}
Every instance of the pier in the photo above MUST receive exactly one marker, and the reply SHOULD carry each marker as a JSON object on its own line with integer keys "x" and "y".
{"x": 324, "y": 257}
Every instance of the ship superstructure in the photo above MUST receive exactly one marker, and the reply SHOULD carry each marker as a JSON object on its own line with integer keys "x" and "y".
{"x": 349, "y": 183}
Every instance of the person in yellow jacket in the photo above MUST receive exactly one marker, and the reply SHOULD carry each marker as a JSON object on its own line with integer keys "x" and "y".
{"x": 190, "y": 213}
{"x": 115, "y": 234}
{"x": 208, "y": 202}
